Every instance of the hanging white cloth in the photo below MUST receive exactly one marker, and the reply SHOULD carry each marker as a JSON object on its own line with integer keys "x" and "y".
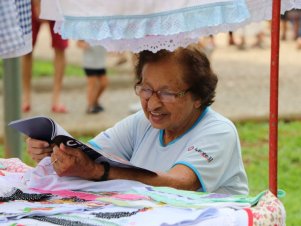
{"x": 152, "y": 24}
{"x": 133, "y": 25}
{"x": 15, "y": 28}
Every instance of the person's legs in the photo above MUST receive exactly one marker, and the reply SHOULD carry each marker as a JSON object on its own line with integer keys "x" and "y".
{"x": 26, "y": 64}
{"x": 242, "y": 44}
{"x": 299, "y": 34}
{"x": 284, "y": 26}
{"x": 97, "y": 82}
{"x": 293, "y": 16}
{"x": 102, "y": 85}
{"x": 231, "y": 38}
{"x": 92, "y": 88}
{"x": 59, "y": 45}
{"x": 241, "y": 33}
{"x": 259, "y": 43}
{"x": 59, "y": 69}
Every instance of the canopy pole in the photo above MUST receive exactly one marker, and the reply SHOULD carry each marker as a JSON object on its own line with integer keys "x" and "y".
{"x": 274, "y": 83}
{"x": 11, "y": 98}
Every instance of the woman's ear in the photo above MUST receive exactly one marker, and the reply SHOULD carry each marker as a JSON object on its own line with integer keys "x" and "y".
{"x": 197, "y": 104}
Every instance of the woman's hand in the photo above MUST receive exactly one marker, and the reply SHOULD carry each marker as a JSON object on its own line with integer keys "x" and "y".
{"x": 73, "y": 162}
{"x": 38, "y": 149}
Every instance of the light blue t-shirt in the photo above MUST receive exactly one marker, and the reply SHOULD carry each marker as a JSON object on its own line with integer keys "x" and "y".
{"x": 211, "y": 148}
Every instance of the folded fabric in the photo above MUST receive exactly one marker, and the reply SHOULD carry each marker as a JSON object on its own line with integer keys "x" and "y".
{"x": 112, "y": 215}
{"x": 44, "y": 177}
{"x": 191, "y": 199}
{"x": 21, "y": 209}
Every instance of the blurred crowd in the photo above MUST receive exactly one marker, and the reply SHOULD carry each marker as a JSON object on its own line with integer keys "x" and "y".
{"x": 290, "y": 30}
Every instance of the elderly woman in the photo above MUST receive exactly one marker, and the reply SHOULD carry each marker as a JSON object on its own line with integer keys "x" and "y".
{"x": 177, "y": 134}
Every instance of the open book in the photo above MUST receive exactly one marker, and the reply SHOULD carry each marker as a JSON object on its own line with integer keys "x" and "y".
{"x": 46, "y": 129}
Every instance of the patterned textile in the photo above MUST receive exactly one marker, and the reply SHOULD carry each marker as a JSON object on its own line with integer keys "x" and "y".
{"x": 151, "y": 205}
{"x": 10, "y": 32}
{"x": 13, "y": 165}
{"x": 24, "y": 11}
{"x": 15, "y": 28}
{"x": 20, "y": 195}
{"x": 74, "y": 211}
{"x": 269, "y": 211}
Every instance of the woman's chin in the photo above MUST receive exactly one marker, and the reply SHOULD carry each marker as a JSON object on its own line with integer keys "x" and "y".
{"x": 157, "y": 125}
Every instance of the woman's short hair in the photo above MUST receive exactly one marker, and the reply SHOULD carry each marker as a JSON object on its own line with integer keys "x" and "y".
{"x": 197, "y": 71}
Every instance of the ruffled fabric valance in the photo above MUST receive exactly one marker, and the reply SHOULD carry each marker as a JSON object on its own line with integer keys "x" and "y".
{"x": 133, "y": 25}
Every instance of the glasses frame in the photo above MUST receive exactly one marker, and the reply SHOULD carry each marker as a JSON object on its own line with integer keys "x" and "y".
{"x": 139, "y": 88}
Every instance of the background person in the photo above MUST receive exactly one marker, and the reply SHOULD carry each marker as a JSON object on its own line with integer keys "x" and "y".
{"x": 177, "y": 134}
{"x": 94, "y": 60}
{"x": 59, "y": 45}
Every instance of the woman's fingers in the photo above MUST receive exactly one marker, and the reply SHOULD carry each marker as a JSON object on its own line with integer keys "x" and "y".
{"x": 38, "y": 149}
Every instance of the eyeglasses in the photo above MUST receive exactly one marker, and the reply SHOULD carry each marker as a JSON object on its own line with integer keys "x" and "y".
{"x": 164, "y": 96}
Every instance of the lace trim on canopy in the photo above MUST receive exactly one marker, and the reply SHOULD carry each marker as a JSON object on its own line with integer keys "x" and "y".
{"x": 164, "y": 23}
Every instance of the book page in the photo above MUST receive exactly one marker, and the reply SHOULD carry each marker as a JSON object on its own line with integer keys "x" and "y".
{"x": 59, "y": 130}
{"x": 44, "y": 128}
{"x": 39, "y": 127}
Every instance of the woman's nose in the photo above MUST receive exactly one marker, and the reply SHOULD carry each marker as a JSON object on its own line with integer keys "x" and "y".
{"x": 154, "y": 102}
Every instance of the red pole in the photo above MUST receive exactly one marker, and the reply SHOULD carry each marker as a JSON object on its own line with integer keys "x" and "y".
{"x": 274, "y": 83}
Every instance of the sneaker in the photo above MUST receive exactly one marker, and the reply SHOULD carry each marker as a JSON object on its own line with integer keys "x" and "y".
{"x": 99, "y": 107}
{"x": 95, "y": 109}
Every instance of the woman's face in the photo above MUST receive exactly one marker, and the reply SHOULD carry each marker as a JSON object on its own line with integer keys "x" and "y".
{"x": 175, "y": 117}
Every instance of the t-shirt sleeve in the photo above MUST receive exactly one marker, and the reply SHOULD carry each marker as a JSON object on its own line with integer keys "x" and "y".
{"x": 209, "y": 154}
{"x": 120, "y": 139}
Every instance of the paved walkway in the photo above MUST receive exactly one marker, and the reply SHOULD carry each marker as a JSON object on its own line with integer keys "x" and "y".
{"x": 242, "y": 93}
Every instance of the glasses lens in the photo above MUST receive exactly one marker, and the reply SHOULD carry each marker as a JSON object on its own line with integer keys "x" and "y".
{"x": 143, "y": 92}
{"x": 167, "y": 97}
{"x": 164, "y": 96}
{"x": 137, "y": 90}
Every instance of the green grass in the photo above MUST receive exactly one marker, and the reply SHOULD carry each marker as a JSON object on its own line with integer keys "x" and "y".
{"x": 43, "y": 68}
{"x": 255, "y": 144}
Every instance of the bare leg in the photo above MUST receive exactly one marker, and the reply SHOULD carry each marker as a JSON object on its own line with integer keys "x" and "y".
{"x": 231, "y": 38}
{"x": 103, "y": 83}
{"x": 299, "y": 34}
{"x": 92, "y": 87}
{"x": 259, "y": 40}
{"x": 284, "y": 29}
{"x": 95, "y": 87}
{"x": 59, "y": 69}
{"x": 26, "y": 81}
{"x": 242, "y": 44}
